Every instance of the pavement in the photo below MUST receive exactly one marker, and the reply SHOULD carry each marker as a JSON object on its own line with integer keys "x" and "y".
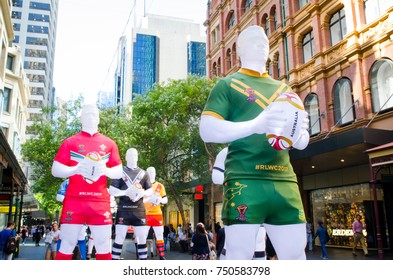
{"x": 32, "y": 252}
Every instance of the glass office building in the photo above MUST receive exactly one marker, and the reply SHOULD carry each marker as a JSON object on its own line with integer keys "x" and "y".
{"x": 196, "y": 64}
{"x": 145, "y": 63}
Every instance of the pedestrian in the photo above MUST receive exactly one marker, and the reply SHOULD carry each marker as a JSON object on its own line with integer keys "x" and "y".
{"x": 220, "y": 241}
{"x": 25, "y": 234}
{"x": 260, "y": 185}
{"x": 184, "y": 241}
{"x": 310, "y": 233}
{"x": 323, "y": 239}
{"x": 166, "y": 234}
{"x": 150, "y": 242}
{"x": 51, "y": 239}
{"x": 88, "y": 159}
{"x": 200, "y": 250}
{"x": 358, "y": 236}
{"x": 4, "y": 234}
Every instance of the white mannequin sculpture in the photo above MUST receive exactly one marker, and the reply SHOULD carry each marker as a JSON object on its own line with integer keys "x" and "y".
{"x": 72, "y": 162}
{"x": 131, "y": 188}
{"x": 242, "y": 119}
{"x": 154, "y": 216}
{"x": 218, "y": 178}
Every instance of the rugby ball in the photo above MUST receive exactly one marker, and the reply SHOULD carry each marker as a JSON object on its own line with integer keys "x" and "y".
{"x": 91, "y": 160}
{"x": 282, "y": 138}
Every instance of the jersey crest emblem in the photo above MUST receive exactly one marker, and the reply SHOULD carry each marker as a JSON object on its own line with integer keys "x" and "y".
{"x": 251, "y": 95}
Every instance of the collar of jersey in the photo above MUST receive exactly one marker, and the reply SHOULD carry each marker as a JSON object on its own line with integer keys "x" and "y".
{"x": 88, "y": 134}
{"x": 253, "y": 73}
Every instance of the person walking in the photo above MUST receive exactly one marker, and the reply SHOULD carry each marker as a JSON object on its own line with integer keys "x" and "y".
{"x": 310, "y": 233}
{"x": 200, "y": 250}
{"x": 358, "y": 235}
{"x": 323, "y": 239}
{"x": 53, "y": 236}
{"x": 4, "y": 234}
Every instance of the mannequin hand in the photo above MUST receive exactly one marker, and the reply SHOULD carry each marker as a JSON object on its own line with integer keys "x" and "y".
{"x": 304, "y": 138}
{"x": 60, "y": 197}
{"x": 91, "y": 170}
{"x": 135, "y": 193}
{"x": 113, "y": 202}
{"x": 153, "y": 199}
{"x": 271, "y": 118}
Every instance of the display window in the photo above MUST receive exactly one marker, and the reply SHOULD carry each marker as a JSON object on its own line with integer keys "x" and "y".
{"x": 337, "y": 207}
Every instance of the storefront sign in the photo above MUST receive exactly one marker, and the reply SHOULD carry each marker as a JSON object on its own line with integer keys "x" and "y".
{"x": 345, "y": 232}
{"x": 5, "y": 209}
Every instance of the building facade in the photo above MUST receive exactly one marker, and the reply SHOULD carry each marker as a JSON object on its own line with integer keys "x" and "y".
{"x": 15, "y": 194}
{"x": 338, "y": 57}
{"x": 162, "y": 48}
{"x": 34, "y": 25}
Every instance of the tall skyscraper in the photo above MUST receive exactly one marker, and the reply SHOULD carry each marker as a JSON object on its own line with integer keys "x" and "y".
{"x": 162, "y": 48}
{"x": 34, "y": 24}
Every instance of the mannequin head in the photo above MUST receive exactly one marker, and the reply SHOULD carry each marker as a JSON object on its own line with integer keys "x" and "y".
{"x": 253, "y": 48}
{"x": 152, "y": 173}
{"x": 132, "y": 158}
{"x": 90, "y": 118}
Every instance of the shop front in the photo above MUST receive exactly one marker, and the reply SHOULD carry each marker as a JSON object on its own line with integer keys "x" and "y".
{"x": 337, "y": 208}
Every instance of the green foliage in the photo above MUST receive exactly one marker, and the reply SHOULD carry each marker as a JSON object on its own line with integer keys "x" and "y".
{"x": 40, "y": 151}
{"x": 164, "y": 128}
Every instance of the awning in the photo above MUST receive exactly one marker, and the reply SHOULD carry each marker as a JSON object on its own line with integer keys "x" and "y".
{"x": 339, "y": 151}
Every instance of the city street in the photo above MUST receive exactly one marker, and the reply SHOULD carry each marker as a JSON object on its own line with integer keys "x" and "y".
{"x": 31, "y": 252}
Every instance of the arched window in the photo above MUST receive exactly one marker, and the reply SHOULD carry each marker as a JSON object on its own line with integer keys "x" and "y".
{"x": 308, "y": 46}
{"x": 337, "y": 27}
{"x": 273, "y": 15}
{"x": 277, "y": 59}
{"x": 247, "y": 5}
{"x": 312, "y": 108}
{"x": 381, "y": 80}
{"x": 229, "y": 59}
{"x": 219, "y": 67}
{"x": 233, "y": 53}
{"x": 269, "y": 66}
{"x": 231, "y": 19}
{"x": 214, "y": 69}
{"x": 344, "y": 111}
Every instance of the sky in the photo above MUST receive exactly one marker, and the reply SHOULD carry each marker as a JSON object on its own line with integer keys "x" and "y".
{"x": 87, "y": 36}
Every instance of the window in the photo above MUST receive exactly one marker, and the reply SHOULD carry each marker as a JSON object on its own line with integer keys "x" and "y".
{"x": 265, "y": 24}
{"x": 231, "y": 21}
{"x": 308, "y": 47}
{"x": 375, "y": 8}
{"x": 312, "y": 108}
{"x": 344, "y": 112}
{"x": 247, "y": 5}
{"x": 302, "y": 3}
{"x": 229, "y": 59}
{"x": 6, "y": 99}
{"x": 17, "y": 15}
{"x": 10, "y": 62}
{"x": 337, "y": 26}
{"x": 381, "y": 80}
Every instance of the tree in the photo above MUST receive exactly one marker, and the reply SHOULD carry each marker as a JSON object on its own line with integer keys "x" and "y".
{"x": 164, "y": 128}
{"x": 40, "y": 151}
{"x": 165, "y": 124}
{"x": 50, "y": 132}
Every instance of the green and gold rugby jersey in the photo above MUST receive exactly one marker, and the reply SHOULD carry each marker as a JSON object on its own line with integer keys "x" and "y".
{"x": 241, "y": 97}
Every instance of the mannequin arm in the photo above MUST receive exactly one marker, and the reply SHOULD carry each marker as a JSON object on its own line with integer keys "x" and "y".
{"x": 164, "y": 200}
{"x": 63, "y": 171}
{"x": 114, "y": 172}
{"x": 215, "y": 130}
